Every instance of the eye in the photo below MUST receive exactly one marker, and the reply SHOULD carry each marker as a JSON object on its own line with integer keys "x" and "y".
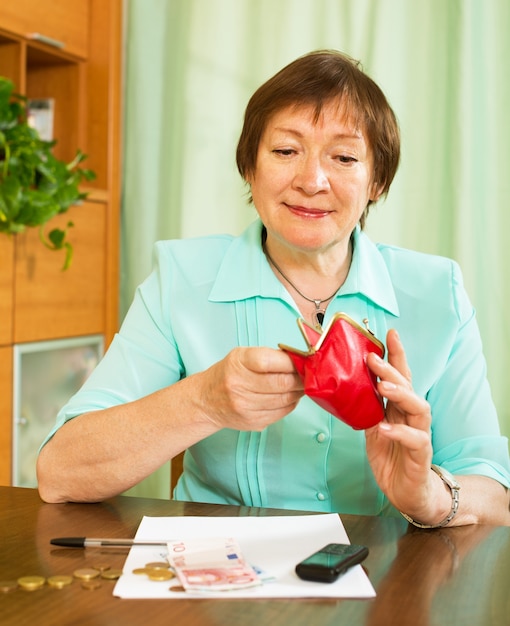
{"x": 284, "y": 151}
{"x": 344, "y": 158}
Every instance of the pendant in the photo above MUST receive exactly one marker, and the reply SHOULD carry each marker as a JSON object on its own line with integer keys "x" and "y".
{"x": 318, "y": 316}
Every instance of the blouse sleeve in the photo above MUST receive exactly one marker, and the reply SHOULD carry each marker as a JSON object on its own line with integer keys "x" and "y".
{"x": 141, "y": 359}
{"x": 466, "y": 435}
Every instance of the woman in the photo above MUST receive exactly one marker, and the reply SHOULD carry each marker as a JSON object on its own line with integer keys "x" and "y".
{"x": 196, "y": 366}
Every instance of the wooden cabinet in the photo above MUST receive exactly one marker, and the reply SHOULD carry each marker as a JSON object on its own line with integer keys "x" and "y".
{"x": 50, "y": 303}
{"x": 63, "y": 24}
{"x": 38, "y": 301}
{"x": 6, "y": 290}
{"x": 5, "y": 413}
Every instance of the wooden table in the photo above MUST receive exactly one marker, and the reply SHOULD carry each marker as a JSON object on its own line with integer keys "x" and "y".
{"x": 455, "y": 577}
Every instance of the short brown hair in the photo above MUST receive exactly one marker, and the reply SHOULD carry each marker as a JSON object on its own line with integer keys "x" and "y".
{"x": 315, "y": 79}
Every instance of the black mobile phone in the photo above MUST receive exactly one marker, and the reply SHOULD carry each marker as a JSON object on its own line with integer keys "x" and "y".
{"x": 327, "y": 564}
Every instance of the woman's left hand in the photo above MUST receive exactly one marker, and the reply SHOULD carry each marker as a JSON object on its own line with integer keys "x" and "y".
{"x": 400, "y": 448}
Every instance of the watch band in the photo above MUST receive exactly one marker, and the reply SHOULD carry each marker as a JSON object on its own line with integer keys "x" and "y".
{"x": 454, "y": 486}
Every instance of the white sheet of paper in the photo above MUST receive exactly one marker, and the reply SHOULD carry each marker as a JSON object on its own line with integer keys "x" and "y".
{"x": 273, "y": 544}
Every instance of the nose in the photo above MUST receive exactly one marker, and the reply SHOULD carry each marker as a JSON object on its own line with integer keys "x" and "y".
{"x": 311, "y": 176}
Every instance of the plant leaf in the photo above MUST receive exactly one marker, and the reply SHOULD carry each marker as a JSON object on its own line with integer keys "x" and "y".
{"x": 56, "y": 240}
{"x": 34, "y": 185}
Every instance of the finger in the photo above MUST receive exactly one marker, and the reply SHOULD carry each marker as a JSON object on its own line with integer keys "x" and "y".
{"x": 385, "y": 371}
{"x": 267, "y": 360}
{"x": 396, "y": 354}
{"x": 261, "y": 377}
{"x": 404, "y": 397}
{"x": 404, "y": 406}
{"x": 275, "y": 372}
{"x": 414, "y": 440}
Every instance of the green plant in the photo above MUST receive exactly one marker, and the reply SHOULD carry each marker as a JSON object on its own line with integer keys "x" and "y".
{"x": 34, "y": 185}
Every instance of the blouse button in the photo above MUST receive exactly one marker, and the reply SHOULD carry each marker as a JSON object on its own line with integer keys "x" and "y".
{"x": 321, "y": 437}
{"x": 321, "y": 496}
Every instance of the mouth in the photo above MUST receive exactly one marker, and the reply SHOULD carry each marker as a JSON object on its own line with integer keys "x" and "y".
{"x": 309, "y": 212}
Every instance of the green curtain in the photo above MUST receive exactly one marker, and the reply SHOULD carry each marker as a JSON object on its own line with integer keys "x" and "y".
{"x": 191, "y": 66}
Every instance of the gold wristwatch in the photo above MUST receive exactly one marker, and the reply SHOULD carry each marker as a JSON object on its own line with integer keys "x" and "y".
{"x": 454, "y": 486}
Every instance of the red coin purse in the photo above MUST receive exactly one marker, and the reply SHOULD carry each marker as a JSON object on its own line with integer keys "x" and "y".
{"x": 335, "y": 373}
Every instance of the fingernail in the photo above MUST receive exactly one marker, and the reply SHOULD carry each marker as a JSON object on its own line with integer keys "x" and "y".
{"x": 384, "y": 426}
{"x": 387, "y": 386}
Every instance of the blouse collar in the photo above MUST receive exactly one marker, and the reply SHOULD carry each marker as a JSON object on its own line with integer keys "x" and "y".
{"x": 245, "y": 272}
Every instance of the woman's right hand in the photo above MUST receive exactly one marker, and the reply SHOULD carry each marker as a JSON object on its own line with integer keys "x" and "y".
{"x": 104, "y": 452}
{"x": 249, "y": 389}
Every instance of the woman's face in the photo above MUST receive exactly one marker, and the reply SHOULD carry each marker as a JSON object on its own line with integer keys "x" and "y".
{"x": 313, "y": 179}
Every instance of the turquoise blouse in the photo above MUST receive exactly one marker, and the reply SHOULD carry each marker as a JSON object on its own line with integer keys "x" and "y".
{"x": 207, "y": 295}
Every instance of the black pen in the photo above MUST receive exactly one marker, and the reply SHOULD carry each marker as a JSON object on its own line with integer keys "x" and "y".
{"x": 94, "y": 542}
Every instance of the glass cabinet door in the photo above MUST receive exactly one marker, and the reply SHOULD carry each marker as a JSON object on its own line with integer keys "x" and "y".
{"x": 46, "y": 375}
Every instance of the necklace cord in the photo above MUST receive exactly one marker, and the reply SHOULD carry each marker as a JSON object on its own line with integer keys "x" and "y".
{"x": 319, "y": 311}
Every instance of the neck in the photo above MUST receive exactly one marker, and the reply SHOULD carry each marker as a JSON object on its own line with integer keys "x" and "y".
{"x": 314, "y": 279}
{"x": 312, "y": 269}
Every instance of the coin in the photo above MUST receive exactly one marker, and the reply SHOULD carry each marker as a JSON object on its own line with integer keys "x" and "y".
{"x": 176, "y": 588}
{"x": 59, "y": 582}
{"x": 160, "y": 574}
{"x": 7, "y": 586}
{"x": 102, "y": 567}
{"x": 141, "y": 570}
{"x": 112, "y": 574}
{"x": 157, "y": 565}
{"x": 91, "y": 585}
{"x": 86, "y": 573}
{"x": 30, "y": 583}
